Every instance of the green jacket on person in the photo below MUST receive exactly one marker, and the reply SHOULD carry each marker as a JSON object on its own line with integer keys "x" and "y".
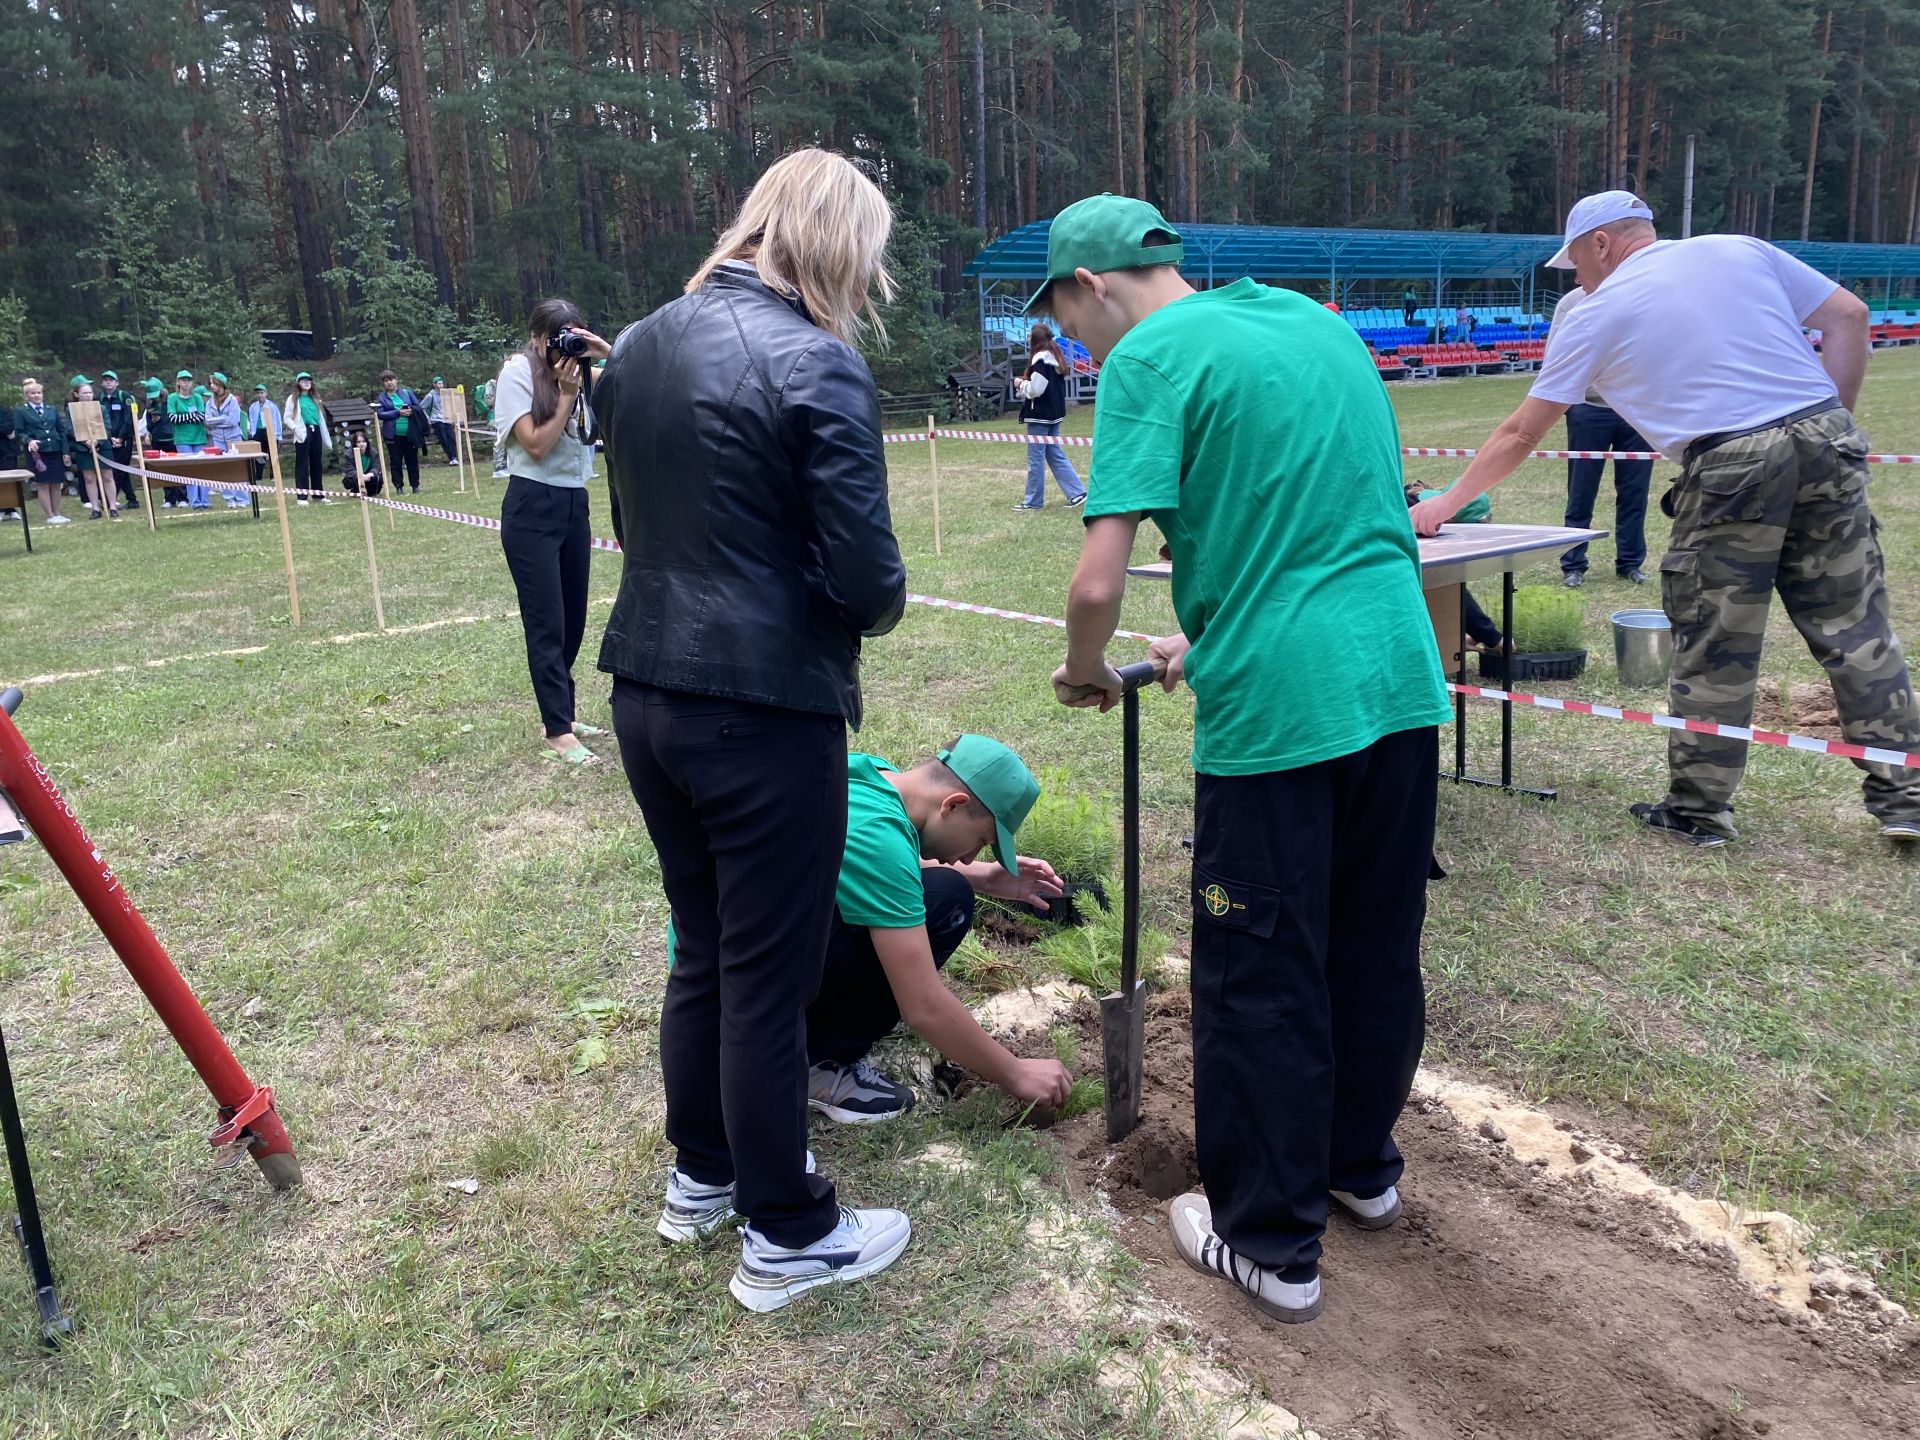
{"x": 42, "y": 424}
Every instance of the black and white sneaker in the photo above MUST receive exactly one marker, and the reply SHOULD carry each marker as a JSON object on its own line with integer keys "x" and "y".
{"x": 1679, "y": 827}
{"x": 855, "y": 1093}
{"x": 1077, "y": 501}
{"x": 864, "y": 1243}
{"x": 1191, "y": 1220}
{"x": 1375, "y": 1212}
{"x": 1904, "y": 832}
{"x": 694, "y": 1211}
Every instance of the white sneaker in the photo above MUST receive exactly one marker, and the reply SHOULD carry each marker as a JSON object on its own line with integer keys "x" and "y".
{"x": 864, "y": 1243}
{"x": 59, "y": 520}
{"x": 1375, "y": 1214}
{"x": 1191, "y": 1220}
{"x": 694, "y": 1211}
{"x": 301, "y": 503}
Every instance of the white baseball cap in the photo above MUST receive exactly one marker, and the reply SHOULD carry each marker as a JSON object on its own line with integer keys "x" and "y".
{"x": 1594, "y": 213}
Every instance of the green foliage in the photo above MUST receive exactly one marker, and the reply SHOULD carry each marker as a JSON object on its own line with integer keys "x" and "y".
{"x": 922, "y": 344}
{"x": 1089, "y": 954}
{"x": 1072, "y": 831}
{"x": 393, "y": 304}
{"x": 16, "y": 347}
{"x": 166, "y": 311}
{"x": 1547, "y": 620}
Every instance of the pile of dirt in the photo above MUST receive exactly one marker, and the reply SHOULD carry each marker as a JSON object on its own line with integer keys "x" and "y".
{"x": 1810, "y": 711}
{"x": 1506, "y": 1303}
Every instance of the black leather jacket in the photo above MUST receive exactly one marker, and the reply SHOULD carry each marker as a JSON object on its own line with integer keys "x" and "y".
{"x": 743, "y": 450}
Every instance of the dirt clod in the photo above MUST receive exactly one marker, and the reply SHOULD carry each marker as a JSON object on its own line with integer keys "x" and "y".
{"x": 1493, "y": 1132}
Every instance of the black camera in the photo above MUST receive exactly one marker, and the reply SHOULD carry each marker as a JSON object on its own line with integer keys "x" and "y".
{"x": 567, "y": 344}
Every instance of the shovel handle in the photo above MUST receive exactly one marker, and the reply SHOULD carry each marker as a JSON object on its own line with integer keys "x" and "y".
{"x": 10, "y": 699}
{"x": 1138, "y": 675}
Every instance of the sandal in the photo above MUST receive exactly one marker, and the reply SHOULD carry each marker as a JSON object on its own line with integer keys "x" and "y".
{"x": 575, "y": 755}
{"x": 586, "y": 731}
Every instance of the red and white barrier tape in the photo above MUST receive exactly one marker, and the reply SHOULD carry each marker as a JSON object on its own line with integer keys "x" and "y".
{"x": 1839, "y": 748}
{"x": 1427, "y": 452}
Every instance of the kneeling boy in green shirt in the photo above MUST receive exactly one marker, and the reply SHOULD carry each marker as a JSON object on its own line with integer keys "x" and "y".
{"x": 908, "y": 878}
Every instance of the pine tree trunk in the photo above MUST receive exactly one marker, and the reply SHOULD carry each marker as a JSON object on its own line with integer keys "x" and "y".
{"x": 416, "y": 129}
{"x": 979, "y": 122}
{"x": 309, "y": 240}
{"x": 1236, "y": 136}
{"x": 1140, "y": 97}
{"x": 1813, "y": 132}
{"x": 1346, "y": 112}
{"x": 1119, "y": 128}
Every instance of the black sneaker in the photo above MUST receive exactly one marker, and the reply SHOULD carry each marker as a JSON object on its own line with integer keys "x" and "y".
{"x": 855, "y": 1093}
{"x": 1635, "y": 576}
{"x": 1574, "y": 579}
{"x": 1690, "y": 832}
{"x": 1904, "y": 832}
{"x": 1076, "y": 502}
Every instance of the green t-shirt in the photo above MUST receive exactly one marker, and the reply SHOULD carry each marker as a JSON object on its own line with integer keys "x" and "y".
{"x": 187, "y": 432}
{"x": 309, "y": 412}
{"x": 880, "y": 881}
{"x": 1250, "y": 424}
{"x": 880, "y": 868}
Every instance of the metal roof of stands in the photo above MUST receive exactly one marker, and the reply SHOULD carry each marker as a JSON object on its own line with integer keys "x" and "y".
{"x": 1269, "y": 252}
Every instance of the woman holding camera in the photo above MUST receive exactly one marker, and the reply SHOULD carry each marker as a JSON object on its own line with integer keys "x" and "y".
{"x": 543, "y": 442}
{"x": 743, "y": 444}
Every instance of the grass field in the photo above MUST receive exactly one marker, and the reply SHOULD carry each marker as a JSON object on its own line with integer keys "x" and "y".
{"x": 445, "y": 954}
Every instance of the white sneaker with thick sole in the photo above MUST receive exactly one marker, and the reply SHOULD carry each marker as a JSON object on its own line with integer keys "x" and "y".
{"x": 854, "y": 1093}
{"x": 1191, "y": 1220}
{"x": 865, "y": 1242}
{"x": 1374, "y": 1214}
{"x": 694, "y": 1211}
{"x": 59, "y": 520}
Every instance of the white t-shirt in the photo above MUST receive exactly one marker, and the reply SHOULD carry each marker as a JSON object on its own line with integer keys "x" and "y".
{"x": 569, "y": 462}
{"x": 1693, "y": 337}
{"x": 1563, "y": 309}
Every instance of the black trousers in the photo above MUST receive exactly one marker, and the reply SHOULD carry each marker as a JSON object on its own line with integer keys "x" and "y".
{"x": 543, "y": 529}
{"x": 443, "y": 432}
{"x": 1309, "y": 891}
{"x": 1596, "y": 427}
{"x": 855, "y": 1009}
{"x": 747, "y": 807}
{"x": 309, "y": 463}
{"x": 404, "y": 456}
{"x": 1481, "y": 627}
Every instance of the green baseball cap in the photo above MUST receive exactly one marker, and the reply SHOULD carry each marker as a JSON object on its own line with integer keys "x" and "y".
{"x": 183, "y": 374}
{"x": 1102, "y": 233}
{"x": 79, "y": 380}
{"x": 260, "y": 389}
{"x": 152, "y": 385}
{"x": 999, "y": 780}
{"x": 303, "y": 375}
{"x": 218, "y": 376}
{"x": 108, "y": 375}
{"x": 438, "y": 381}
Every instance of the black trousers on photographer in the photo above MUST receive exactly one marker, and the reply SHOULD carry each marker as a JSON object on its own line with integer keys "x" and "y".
{"x": 543, "y": 530}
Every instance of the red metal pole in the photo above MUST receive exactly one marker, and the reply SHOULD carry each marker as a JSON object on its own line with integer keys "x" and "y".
{"x": 246, "y": 1109}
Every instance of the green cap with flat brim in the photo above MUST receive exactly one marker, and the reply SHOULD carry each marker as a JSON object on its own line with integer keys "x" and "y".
{"x": 79, "y": 380}
{"x": 999, "y": 780}
{"x": 1104, "y": 233}
{"x": 183, "y": 374}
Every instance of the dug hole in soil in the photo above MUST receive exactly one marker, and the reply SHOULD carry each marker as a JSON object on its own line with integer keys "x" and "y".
{"x": 1503, "y": 1304}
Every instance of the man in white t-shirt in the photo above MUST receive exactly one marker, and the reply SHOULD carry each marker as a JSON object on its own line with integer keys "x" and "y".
{"x": 1700, "y": 345}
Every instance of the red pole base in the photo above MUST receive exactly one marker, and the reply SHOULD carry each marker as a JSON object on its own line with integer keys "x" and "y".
{"x": 246, "y": 1110}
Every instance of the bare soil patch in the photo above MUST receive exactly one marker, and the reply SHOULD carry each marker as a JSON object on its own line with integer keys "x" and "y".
{"x": 1810, "y": 711}
{"x": 1507, "y": 1302}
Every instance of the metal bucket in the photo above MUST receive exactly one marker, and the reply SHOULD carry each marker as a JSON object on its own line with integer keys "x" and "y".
{"x": 1642, "y": 647}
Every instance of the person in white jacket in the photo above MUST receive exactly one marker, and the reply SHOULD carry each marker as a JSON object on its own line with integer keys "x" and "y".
{"x": 306, "y": 421}
{"x": 1043, "y": 394}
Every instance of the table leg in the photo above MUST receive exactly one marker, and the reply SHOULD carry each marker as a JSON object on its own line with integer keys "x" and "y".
{"x": 1506, "y": 680}
{"x": 26, "y": 523}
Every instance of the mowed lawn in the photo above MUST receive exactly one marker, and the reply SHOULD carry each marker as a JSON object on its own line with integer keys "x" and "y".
{"x": 445, "y": 954}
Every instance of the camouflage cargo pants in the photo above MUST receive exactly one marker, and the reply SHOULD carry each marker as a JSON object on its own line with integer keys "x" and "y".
{"x": 1786, "y": 510}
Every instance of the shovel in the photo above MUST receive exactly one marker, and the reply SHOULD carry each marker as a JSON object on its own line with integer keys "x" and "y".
{"x": 1123, "y": 1016}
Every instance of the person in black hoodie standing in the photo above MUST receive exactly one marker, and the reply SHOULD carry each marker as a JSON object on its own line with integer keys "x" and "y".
{"x": 1043, "y": 396}
{"x": 742, "y": 432}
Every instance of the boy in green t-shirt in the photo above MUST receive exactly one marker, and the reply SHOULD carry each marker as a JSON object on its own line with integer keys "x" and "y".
{"x": 904, "y": 903}
{"x": 1250, "y": 426}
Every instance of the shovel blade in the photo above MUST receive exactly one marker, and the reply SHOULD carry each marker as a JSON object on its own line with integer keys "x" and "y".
{"x": 1123, "y": 1042}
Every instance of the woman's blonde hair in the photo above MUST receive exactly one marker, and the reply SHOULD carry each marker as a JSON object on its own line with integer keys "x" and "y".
{"x": 815, "y": 226}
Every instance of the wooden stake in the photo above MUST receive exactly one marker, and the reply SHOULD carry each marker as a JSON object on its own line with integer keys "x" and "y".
{"x": 101, "y": 482}
{"x": 386, "y": 475}
{"x": 373, "y": 564}
{"x": 286, "y": 535}
{"x": 933, "y": 456}
{"x": 459, "y": 435}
